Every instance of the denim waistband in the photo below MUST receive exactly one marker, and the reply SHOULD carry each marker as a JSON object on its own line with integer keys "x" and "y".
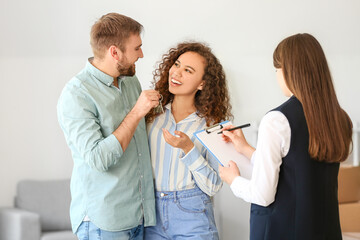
{"x": 179, "y": 194}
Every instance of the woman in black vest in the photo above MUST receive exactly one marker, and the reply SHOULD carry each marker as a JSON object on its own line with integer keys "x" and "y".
{"x": 293, "y": 189}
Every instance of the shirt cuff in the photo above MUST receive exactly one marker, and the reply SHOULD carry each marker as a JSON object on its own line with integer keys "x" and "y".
{"x": 240, "y": 187}
{"x": 113, "y": 145}
{"x": 193, "y": 159}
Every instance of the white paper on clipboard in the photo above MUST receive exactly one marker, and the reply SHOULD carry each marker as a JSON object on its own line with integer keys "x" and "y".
{"x": 222, "y": 151}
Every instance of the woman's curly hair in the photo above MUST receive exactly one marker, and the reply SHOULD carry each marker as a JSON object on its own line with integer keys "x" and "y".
{"x": 212, "y": 102}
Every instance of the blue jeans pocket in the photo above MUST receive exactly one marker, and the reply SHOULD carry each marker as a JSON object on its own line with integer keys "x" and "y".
{"x": 83, "y": 231}
{"x": 194, "y": 204}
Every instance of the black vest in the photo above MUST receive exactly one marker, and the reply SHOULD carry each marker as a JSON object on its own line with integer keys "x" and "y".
{"x": 306, "y": 203}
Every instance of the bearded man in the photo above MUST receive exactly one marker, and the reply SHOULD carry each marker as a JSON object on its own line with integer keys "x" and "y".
{"x": 101, "y": 112}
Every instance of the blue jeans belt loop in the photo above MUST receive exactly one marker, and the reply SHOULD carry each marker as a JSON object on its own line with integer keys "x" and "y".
{"x": 175, "y": 198}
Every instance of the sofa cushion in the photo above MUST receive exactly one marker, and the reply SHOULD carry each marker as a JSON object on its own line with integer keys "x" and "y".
{"x": 50, "y": 199}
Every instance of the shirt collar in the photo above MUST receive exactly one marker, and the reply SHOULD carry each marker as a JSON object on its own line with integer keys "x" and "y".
{"x": 98, "y": 74}
{"x": 191, "y": 118}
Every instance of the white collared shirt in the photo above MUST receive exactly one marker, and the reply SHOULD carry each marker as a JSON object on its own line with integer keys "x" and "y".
{"x": 273, "y": 144}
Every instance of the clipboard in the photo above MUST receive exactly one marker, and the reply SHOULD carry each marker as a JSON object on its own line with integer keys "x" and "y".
{"x": 222, "y": 151}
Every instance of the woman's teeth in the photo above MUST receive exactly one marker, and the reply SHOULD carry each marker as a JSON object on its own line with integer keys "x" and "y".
{"x": 174, "y": 81}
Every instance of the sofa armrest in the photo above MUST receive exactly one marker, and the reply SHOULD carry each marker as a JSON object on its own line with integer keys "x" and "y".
{"x": 18, "y": 224}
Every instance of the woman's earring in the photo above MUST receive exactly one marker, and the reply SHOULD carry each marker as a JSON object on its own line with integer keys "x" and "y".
{"x": 159, "y": 108}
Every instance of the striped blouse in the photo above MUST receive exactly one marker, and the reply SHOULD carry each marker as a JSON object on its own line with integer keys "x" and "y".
{"x": 172, "y": 169}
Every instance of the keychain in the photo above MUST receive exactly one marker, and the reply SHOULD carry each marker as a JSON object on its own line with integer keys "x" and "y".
{"x": 159, "y": 108}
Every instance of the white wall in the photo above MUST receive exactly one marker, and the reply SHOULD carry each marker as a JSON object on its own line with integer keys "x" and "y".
{"x": 43, "y": 43}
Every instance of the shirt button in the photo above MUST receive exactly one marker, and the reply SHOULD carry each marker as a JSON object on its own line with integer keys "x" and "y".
{"x": 139, "y": 154}
{"x": 141, "y": 176}
{"x": 162, "y": 194}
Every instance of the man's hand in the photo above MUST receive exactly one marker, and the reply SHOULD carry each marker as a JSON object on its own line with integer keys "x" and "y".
{"x": 180, "y": 141}
{"x": 147, "y": 100}
{"x": 228, "y": 174}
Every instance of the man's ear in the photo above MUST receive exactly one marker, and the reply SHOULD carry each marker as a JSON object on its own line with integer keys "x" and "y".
{"x": 115, "y": 52}
{"x": 201, "y": 85}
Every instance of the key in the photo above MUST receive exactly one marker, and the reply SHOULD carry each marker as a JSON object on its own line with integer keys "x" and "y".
{"x": 159, "y": 108}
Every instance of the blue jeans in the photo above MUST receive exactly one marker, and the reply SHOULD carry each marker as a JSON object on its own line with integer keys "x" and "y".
{"x": 88, "y": 231}
{"x": 184, "y": 214}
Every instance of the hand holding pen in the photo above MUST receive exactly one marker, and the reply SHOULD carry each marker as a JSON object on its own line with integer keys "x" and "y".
{"x": 236, "y": 136}
{"x": 234, "y": 128}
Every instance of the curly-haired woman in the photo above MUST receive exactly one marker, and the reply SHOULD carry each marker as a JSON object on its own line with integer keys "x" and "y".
{"x": 193, "y": 85}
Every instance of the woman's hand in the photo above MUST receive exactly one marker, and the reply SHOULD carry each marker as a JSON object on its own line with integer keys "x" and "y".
{"x": 238, "y": 139}
{"x": 181, "y": 140}
{"x": 228, "y": 174}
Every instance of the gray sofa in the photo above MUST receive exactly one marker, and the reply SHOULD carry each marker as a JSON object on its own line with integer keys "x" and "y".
{"x": 40, "y": 212}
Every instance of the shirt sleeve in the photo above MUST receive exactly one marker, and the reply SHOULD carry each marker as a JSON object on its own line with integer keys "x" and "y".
{"x": 273, "y": 144}
{"x": 78, "y": 119}
{"x": 204, "y": 170}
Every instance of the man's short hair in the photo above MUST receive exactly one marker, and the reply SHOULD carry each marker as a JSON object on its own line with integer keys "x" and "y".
{"x": 112, "y": 29}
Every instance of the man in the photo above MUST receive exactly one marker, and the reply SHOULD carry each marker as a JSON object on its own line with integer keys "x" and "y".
{"x": 101, "y": 112}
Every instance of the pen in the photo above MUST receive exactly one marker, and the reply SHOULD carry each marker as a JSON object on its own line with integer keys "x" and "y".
{"x": 230, "y": 129}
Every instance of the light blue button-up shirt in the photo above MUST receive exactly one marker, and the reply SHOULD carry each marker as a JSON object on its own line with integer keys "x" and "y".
{"x": 113, "y": 188}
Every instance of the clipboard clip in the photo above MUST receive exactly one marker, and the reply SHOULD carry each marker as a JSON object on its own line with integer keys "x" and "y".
{"x": 213, "y": 128}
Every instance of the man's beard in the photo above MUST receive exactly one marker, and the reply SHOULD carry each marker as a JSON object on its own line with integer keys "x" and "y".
{"x": 126, "y": 70}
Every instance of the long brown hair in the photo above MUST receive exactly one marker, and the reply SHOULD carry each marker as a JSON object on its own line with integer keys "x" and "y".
{"x": 212, "y": 102}
{"x": 308, "y": 77}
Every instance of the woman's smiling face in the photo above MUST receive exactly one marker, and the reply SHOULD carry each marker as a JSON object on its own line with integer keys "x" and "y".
{"x": 186, "y": 75}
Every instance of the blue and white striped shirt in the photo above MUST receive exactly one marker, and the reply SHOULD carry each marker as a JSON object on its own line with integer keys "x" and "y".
{"x": 175, "y": 171}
